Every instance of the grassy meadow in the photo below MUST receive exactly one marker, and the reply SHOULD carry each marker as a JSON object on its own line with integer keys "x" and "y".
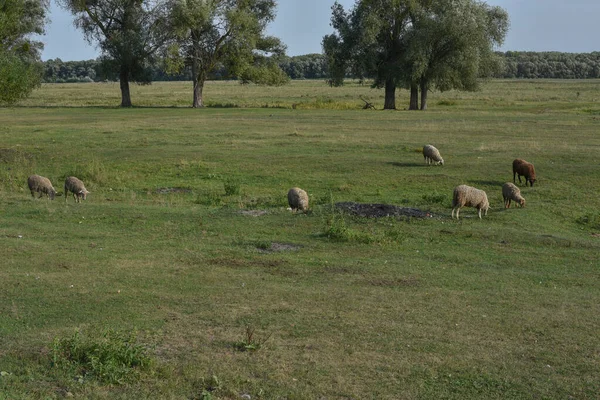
{"x": 184, "y": 276}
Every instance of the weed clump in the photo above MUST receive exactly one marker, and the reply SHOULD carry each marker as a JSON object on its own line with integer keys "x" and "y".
{"x": 114, "y": 358}
{"x": 232, "y": 187}
{"x": 591, "y": 220}
{"x": 250, "y": 342}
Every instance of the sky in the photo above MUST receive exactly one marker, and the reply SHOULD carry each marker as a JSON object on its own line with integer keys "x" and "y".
{"x": 535, "y": 25}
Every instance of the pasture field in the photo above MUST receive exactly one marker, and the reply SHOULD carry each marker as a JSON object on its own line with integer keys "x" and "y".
{"x": 184, "y": 276}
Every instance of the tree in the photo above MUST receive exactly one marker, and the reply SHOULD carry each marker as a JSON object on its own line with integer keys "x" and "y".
{"x": 416, "y": 44}
{"x": 224, "y": 33}
{"x": 128, "y": 32}
{"x": 451, "y": 43}
{"x": 369, "y": 43}
{"x": 20, "y": 65}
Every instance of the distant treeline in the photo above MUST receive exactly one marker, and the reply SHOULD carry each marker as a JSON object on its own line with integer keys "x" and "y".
{"x": 528, "y": 65}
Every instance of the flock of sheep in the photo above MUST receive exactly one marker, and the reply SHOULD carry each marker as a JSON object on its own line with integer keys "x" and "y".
{"x": 43, "y": 186}
{"x": 463, "y": 196}
{"x": 471, "y": 197}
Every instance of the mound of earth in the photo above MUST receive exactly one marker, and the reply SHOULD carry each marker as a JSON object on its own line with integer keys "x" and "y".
{"x": 381, "y": 210}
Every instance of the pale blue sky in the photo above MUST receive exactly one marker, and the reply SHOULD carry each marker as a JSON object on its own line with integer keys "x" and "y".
{"x": 536, "y": 25}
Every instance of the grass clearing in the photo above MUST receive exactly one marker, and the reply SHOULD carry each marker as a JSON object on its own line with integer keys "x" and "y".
{"x": 185, "y": 240}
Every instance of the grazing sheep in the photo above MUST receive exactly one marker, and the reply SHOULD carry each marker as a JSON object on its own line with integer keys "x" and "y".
{"x": 432, "y": 155}
{"x": 469, "y": 196}
{"x": 41, "y": 185}
{"x": 510, "y": 192}
{"x": 298, "y": 199}
{"x": 76, "y": 187}
{"x": 523, "y": 168}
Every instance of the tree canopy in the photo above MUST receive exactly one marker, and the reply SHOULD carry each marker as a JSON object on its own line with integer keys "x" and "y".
{"x": 20, "y": 64}
{"x": 415, "y": 44}
{"x": 128, "y": 32}
{"x": 224, "y": 33}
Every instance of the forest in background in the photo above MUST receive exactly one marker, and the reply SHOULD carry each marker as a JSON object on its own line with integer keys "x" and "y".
{"x": 525, "y": 65}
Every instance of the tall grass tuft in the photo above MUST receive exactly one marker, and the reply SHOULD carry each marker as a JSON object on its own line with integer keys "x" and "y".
{"x": 113, "y": 358}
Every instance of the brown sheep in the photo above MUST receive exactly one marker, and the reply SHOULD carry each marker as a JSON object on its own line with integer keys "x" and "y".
{"x": 524, "y": 168}
{"x": 512, "y": 193}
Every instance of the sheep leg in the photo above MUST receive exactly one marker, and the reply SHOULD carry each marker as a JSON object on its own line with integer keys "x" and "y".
{"x": 479, "y": 212}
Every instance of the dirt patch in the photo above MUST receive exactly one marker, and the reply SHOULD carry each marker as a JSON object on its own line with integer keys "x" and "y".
{"x": 597, "y": 235}
{"x": 381, "y": 210}
{"x": 279, "y": 247}
{"x": 254, "y": 213}
{"x": 173, "y": 190}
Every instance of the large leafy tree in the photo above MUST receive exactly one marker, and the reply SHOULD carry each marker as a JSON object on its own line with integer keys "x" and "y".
{"x": 416, "y": 44}
{"x": 370, "y": 42}
{"x": 224, "y": 33}
{"x": 451, "y": 45}
{"x": 20, "y": 65}
{"x": 128, "y": 32}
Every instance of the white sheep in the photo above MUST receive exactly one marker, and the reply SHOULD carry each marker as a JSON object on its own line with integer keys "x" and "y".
{"x": 469, "y": 196}
{"x": 41, "y": 185}
{"x": 297, "y": 199}
{"x": 510, "y": 192}
{"x": 432, "y": 155}
{"x": 76, "y": 187}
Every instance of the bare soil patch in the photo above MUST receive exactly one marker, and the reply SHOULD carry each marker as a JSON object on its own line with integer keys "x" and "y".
{"x": 279, "y": 247}
{"x": 254, "y": 213}
{"x": 168, "y": 190}
{"x": 381, "y": 210}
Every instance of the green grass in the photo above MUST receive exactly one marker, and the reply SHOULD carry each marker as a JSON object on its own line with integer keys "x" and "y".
{"x": 165, "y": 251}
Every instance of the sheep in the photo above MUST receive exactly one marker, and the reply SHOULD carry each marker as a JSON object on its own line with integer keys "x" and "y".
{"x": 297, "y": 199}
{"x": 524, "y": 168}
{"x": 41, "y": 185}
{"x": 469, "y": 196}
{"x": 76, "y": 187}
{"x": 511, "y": 192}
{"x": 432, "y": 155}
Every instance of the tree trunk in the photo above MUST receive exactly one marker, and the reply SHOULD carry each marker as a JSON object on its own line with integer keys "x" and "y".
{"x": 414, "y": 97}
{"x": 198, "y": 87}
{"x": 124, "y": 82}
{"x": 424, "y": 90}
{"x": 390, "y": 94}
{"x": 199, "y": 79}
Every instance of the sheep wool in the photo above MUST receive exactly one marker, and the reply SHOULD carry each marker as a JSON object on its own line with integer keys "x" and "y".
{"x": 469, "y": 196}
{"x": 298, "y": 199}
{"x": 432, "y": 155}
{"x": 41, "y": 185}
{"x": 524, "y": 168}
{"x": 75, "y": 186}
{"x": 510, "y": 192}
